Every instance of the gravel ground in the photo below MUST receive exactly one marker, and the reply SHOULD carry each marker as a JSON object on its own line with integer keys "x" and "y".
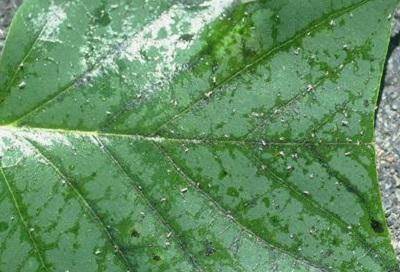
{"x": 387, "y": 136}
{"x": 387, "y": 123}
{"x": 7, "y": 9}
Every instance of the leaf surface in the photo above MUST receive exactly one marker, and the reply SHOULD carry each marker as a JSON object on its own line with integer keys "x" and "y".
{"x": 192, "y": 135}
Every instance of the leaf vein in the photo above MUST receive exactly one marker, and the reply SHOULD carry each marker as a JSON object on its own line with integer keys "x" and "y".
{"x": 323, "y": 211}
{"x": 87, "y": 206}
{"x": 265, "y": 56}
{"x": 224, "y": 211}
{"x": 23, "y": 221}
{"x": 147, "y": 201}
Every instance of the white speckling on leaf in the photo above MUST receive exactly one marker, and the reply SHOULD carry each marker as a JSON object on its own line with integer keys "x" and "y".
{"x": 52, "y": 20}
{"x": 163, "y": 37}
{"x": 13, "y": 151}
{"x": 46, "y": 139}
{"x": 175, "y": 22}
{"x": 175, "y": 18}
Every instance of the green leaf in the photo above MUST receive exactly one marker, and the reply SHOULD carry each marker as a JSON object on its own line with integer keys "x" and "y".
{"x": 192, "y": 135}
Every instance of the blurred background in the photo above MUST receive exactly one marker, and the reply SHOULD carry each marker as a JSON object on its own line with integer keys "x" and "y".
{"x": 387, "y": 131}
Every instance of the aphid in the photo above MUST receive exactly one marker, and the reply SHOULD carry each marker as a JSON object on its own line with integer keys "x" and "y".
{"x": 263, "y": 142}
{"x": 209, "y": 94}
{"x": 22, "y": 85}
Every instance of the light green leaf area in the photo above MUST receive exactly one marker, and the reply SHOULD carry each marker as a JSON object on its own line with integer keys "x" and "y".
{"x": 192, "y": 135}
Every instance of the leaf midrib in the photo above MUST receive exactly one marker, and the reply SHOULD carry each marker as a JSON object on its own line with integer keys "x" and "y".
{"x": 139, "y": 137}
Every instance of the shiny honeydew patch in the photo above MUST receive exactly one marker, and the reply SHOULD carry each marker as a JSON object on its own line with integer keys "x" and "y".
{"x": 192, "y": 136}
